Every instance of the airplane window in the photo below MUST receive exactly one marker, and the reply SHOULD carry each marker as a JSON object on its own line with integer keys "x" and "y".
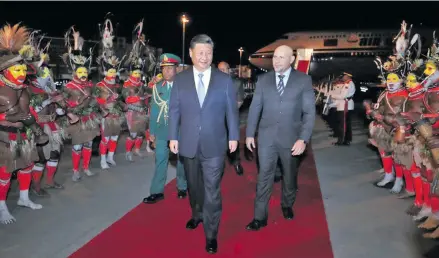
{"x": 330, "y": 42}
{"x": 363, "y": 41}
{"x": 376, "y": 41}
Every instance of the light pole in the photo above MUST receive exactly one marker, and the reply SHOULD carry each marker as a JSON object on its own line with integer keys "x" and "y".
{"x": 184, "y": 20}
{"x": 240, "y": 58}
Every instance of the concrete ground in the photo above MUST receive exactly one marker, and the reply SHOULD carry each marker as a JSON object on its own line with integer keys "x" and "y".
{"x": 364, "y": 221}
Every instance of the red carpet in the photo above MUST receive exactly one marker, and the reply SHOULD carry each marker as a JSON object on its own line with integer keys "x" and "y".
{"x": 158, "y": 231}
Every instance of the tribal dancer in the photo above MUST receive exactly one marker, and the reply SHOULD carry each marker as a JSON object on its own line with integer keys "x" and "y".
{"x": 134, "y": 95}
{"x": 44, "y": 99}
{"x": 17, "y": 151}
{"x": 427, "y": 125}
{"x": 81, "y": 109}
{"x": 108, "y": 99}
{"x": 388, "y": 105}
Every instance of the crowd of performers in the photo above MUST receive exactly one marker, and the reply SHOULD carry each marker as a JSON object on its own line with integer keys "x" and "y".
{"x": 405, "y": 128}
{"x": 36, "y": 118}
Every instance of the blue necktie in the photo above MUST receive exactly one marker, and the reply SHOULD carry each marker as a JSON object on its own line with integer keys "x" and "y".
{"x": 201, "y": 91}
{"x": 280, "y": 86}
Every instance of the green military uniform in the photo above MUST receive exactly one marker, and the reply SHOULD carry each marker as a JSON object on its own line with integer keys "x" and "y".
{"x": 158, "y": 127}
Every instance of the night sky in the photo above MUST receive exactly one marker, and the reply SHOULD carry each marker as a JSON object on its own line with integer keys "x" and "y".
{"x": 231, "y": 25}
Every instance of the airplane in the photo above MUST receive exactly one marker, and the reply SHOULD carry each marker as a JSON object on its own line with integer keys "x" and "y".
{"x": 333, "y": 52}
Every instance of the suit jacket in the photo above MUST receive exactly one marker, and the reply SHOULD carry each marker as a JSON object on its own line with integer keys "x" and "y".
{"x": 282, "y": 119}
{"x": 203, "y": 128}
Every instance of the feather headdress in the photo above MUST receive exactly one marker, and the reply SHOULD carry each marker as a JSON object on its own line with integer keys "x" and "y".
{"x": 406, "y": 57}
{"x": 74, "y": 57}
{"x": 135, "y": 59}
{"x": 108, "y": 60}
{"x": 14, "y": 45}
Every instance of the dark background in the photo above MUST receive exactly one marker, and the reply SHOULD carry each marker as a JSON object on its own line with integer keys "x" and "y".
{"x": 231, "y": 25}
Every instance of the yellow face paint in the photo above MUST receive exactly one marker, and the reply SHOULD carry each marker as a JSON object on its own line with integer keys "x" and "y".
{"x": 82, "y": 73}
{"x": 392, "y": 78}
{"x": 430, "y": 68}
{"x": 411, "y": 81}
{"x": 136, "y": 74}
{"x": 17, "y": 73}
{"x": 111, "y": 73}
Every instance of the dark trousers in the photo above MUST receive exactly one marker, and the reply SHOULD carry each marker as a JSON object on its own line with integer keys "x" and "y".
{"x": 203, "y": 180}
{"x": 332, "y": 119}
{"x": 268, "y": 158}
{"x": 278, "y": 172}
{"x": 234, "y": 157}
{"x": 344, "y": 128}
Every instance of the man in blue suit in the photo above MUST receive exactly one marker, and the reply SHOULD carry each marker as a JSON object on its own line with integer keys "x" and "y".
{"x": 203, "y": 117}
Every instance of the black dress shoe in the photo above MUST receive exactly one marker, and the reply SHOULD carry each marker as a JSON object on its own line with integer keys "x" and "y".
{"x": 153, "y": 198}
{"x": 255, "y": 225}
{"x": 211, "y": 246}
{"x": 239, "y": 169}
{"x": 288, "y": 213}
{"x": 181, "y": 194}
{"x": 193, "y": 223}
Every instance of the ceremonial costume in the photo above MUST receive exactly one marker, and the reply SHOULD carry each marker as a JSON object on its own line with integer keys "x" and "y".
{"x": 388, "y": 105}
{"x": 44, "y": 99}
{"x": 108, "y": 98}
{"x": 428, "y": 139}
{"x": 82, "y": 108}
{"x": 158, "y": 127}
{"x": 19, "y": 131}
{"x": 134, "y": 94}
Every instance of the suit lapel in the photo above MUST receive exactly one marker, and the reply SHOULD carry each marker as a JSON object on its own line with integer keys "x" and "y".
{"x": 192, "y": 86}
{"x": 210, "y": 88}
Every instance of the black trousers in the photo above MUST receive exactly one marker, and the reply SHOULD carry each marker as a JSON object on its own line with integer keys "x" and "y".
{"x": 268, "y": 161}
{"x": 332, "y": 119}
{"x": 203, "y": 182}
{"x": 344, "y": 127}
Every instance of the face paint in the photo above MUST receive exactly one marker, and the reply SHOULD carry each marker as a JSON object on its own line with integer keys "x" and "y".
{"x": 393, "y": 82}
{"x": 430, "y": 68}
{"x": 136, "y": 74}
{"x": 111, "y": 74}
{"x": 16, "y": 74}
{"x": 82, "y": 74}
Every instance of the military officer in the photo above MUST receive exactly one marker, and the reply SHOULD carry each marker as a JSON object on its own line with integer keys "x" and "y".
{"x": 158, "y": 128}
{"x": 345, "y": 106}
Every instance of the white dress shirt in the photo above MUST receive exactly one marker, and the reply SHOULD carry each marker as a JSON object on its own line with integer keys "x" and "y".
{"x": 206, "y": 77}
{"x": 285, "y": 79}
{"x": 169, "y": 85}
{"x": 347, "y": 90}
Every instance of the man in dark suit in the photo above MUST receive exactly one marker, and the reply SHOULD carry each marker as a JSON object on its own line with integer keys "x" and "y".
{"x": 203, "y": 102}
{"x": 283, "y": 105}
{"x": 235, "y": 157}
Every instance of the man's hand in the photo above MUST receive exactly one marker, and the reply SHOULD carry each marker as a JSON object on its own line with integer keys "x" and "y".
{"x": 173, "y": 146}
{"x": 151, "y": 138}
{"x": 250, "y": 143}
{"x": 298, "y": 148}
{"x": 233, "y": 145}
